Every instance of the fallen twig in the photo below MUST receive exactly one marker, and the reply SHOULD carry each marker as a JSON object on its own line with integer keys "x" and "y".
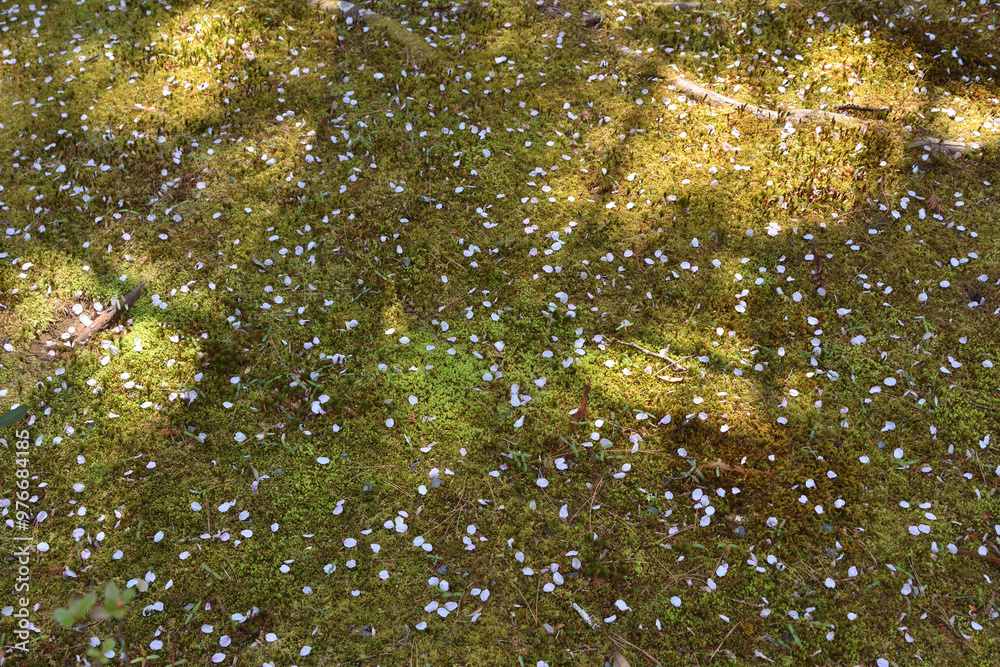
{"x": 527, "y": 605}
{"x": 731, "y": 630}
{"x": 707, "y": 96}
{"x": 593, "y": 495}
{"x": 108, "y": 317}
{"x": 947, "y": 623}
{"x": 587, "y": 20}
{"x": 934, "y": 144}
{"x": 152, "y": 110}
{"x": 795, "y": 115}
{"x": 992, "y": 559}
{"x": 586, "y": 618}
{"x": 655, "y": 355}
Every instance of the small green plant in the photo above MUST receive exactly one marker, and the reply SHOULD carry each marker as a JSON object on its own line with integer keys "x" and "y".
{"x": 520, "y": 459}
{"x": 114, "y": 607}
{"x": 75, "y": 611}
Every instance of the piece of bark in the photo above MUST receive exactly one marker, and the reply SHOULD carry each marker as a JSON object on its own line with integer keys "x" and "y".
{"x": 109, "y": 316}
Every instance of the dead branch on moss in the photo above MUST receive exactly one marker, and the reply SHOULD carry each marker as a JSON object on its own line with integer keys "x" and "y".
{"x": 587, "y": 20}
{"x": 935, "y": 145}
{"x": 707, "y": 96}
{"x": 111, "y": 315}
{"x": 586, "y": 618}
{"x": 416, "y": 49}
{"x": 969, "y": 554}
{"x": 656, "y": 355}
{"x": 702, "y": 94}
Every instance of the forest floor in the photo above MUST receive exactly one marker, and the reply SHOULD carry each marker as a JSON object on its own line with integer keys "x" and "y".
{"x": 469, "y": 338}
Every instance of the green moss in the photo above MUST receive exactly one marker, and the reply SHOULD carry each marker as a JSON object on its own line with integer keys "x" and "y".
{"x": 828, "y": 184}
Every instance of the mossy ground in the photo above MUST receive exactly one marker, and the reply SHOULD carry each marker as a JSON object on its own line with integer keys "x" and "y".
{"x": 357, "y": 204}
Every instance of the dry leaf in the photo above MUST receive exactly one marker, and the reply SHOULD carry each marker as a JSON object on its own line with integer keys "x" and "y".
{"x": 932, "y": 202}
{"x": 618, "y": 660}
{"x": 718, "y": 465}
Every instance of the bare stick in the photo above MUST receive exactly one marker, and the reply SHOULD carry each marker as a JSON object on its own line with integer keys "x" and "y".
{"x": 656, "y": 355}
{"x": 969, "y": 554}
{"x": 731, "y": 630}
{"x": 589, "y": 502}
{"x": 942, "y": 145}
{"x": 707, "y": 96}
{"x": 951, "y": 627}
{"x": 586, "y": 618}
{"x": 587, "y": 20}
{"x": 795, "y": 115}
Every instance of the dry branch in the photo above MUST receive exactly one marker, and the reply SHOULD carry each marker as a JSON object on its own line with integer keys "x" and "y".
{"x": 587, "y": 20}
{"x": 586, "y": 618}
{"x": 969, "y": 554}
{"x": 656, "y": 355}
{"x": 111, "y": 315}
{"x": 712, "y": 657}
{"x": 707, "y": 96}
{"x": 942, "y": 145}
